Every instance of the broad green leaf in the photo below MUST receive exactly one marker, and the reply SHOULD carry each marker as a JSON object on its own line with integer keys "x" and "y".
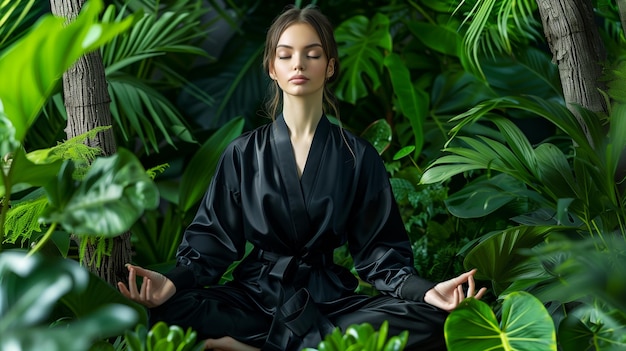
{"x": 529, "y": 70}
{"x": 38, "y": 60}
{"x": 111, "y": 197}
{"x": 95, "y": 295}
{"x": 525, "y": 325}
{"x": 555, "y": 172}
{"x": 362, "y": 47}
{"x": 499, "y": 255}
{"x": 485, "y": 196}
{"x": 31, "y": 286}
{"x": 413, "y": 102}
{"x": 201, "y": 168}
{"x": 379, "y": 134}
{"x": 107, "y": 322}
{"x": 455, "y": 92}
{"x": 439, "y": 37}
{"x": 26, "y": 174}
{"x": 588, "y": 328}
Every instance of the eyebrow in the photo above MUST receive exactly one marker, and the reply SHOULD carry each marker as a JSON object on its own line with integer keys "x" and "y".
{"x": 291, "y": 47}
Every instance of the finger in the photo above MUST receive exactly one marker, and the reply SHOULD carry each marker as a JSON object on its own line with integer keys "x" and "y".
{"x": 471, "y": 286}
{"x": 143, "y": 294}
{"x": 132, "y": 283}
{"x": 481, "y": 293}
{"x": 460, "y": 294}
{"x": 122, "y": 287}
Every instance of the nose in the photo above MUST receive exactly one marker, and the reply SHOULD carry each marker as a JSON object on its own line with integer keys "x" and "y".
{"x": 298, "y": 64}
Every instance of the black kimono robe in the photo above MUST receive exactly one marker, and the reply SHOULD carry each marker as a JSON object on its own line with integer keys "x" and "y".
{"x": 287, "y": 294}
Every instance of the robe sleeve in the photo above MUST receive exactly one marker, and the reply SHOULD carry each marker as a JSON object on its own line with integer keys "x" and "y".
{"x": 378, "y": 241}
{"x": 215, "y": 238}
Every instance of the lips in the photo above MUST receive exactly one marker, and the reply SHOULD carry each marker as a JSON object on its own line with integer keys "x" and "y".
{"x": 299, "y": 79}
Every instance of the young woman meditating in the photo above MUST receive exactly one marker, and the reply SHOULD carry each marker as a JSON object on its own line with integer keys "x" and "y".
{"x": 297, "y": 188}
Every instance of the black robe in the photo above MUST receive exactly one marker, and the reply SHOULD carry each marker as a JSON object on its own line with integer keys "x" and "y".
{"x": 294, "y": 224}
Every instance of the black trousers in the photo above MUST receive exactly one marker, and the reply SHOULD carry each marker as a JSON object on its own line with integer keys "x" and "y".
{"x": 228, "y": 311}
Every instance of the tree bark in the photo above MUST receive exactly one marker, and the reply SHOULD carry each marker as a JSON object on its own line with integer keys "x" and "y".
{"x": 578, "y": 51}
{"x": 87, "y": 102}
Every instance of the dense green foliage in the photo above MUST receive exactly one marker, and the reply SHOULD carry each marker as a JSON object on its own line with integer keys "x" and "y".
{"x": 461, "y": 99}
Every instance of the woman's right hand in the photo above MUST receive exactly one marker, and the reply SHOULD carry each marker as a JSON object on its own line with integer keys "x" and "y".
{"x": 155, "y": 288}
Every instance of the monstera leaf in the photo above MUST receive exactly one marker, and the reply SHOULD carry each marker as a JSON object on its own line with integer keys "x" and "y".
{"x": 525, "y": 326}
{"x": 362, "y": 44}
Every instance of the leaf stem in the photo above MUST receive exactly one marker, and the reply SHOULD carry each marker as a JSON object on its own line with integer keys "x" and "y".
{"x": 43, "y": 240}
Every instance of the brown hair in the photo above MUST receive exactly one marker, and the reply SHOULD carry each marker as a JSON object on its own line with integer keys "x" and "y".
{"x": 322, "y": 26}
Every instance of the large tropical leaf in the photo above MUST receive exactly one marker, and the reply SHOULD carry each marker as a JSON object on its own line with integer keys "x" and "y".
{"x": 31, "y": 286}
{"x": 485, "y": 196}
{"x": 590, "y": 328}
{"x": 200, "y": 169}
{"x": 362, "y": 45}
{"x": 139, "y": 105}
{"x": 525, "y": 325}
{"x": 500, "y": 257}
{"x": 16, "y": 16}
{"x": 495, "y": 26}
{"x": 111, "y": 197}
{"x": 131, "y": 97}
{"x": 34, "y": 64}
{"x": 531, "y": 70}
{"x": 412, "y": 102}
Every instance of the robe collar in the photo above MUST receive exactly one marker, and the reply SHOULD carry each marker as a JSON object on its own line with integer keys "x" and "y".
{"x": 298, "y": 189}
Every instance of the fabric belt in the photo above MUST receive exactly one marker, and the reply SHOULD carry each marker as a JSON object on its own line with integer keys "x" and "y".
{"x": 286, "y": 267}
{"x": 298, "y": 316}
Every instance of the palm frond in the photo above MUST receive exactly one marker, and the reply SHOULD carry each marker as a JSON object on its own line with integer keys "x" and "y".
{"x": 494, "y": 26}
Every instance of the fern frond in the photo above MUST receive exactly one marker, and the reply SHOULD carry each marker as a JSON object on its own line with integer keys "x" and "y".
{"x": 22, "y": 219}
{"x": 103, "y": 246}
{"x": 156, "y": 170}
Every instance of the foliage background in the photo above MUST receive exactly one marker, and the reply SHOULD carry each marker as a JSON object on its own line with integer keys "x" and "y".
{"x": 189, "y": 79}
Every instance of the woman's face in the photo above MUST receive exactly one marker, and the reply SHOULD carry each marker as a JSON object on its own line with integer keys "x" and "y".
{"x": 300, "y": 65}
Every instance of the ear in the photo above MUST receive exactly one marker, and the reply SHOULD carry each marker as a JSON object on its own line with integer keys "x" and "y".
{"x": 272, "y": 72}
{"x": 330, "y": 69}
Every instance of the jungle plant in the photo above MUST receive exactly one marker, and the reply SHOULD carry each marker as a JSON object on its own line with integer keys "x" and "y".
{"x": 161, "y": 337}
{"x": 110, "y": 197}
{"x": 525, "y": 325}
{"x": 572, "y": 185}
{"x": 362, "y": 337}
{"x": 32, "y": 286}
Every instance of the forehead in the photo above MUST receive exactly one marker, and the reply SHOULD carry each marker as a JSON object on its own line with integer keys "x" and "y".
{"x": 297, "y": 35}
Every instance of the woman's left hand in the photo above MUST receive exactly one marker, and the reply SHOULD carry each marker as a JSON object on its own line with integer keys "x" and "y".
{"x": 448, "y": 295}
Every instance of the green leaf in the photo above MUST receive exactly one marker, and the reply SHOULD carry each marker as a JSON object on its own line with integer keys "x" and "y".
{"x": 498, "y": 258}
{"x": 26, "y": 174}
{"x": 114, "y": 193}
{"x": 405, "y": 151}
{"x": 485, "y": 196}
{"x": 525, "y": 325}
{"x": 378, "y": 134}
{"x": 439, "y": 37}
{"x": 38, "y": 60}
{"x": 362, "y": 47}
{"x": 31, "y": 286}
{"x": 201, "y": 168}
{"x": 413, "y": 103}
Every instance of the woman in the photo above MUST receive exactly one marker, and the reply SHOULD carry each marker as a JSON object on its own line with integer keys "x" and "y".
{"x": 297, "y": 189}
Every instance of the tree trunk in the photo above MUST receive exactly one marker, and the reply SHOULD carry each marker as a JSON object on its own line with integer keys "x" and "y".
{"x": 87, "y": 103}
{"x": 578, "y": 51}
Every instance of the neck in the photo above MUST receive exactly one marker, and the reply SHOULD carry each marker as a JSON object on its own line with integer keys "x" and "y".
{"x": 302, "y": 115}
